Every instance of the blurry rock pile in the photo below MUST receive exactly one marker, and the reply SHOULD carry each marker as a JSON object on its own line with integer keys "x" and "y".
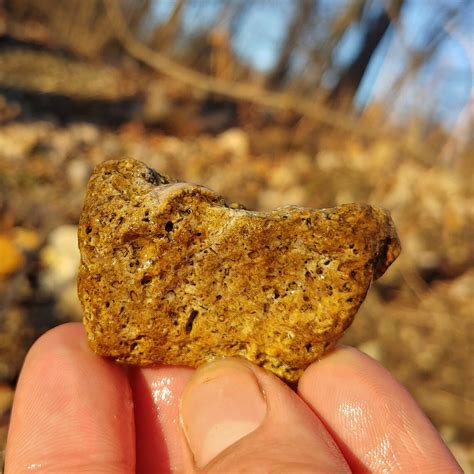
{"x": 418, "y": 320}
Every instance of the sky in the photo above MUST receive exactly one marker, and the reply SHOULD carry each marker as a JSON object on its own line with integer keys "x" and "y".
{"x": 441, "y": 90}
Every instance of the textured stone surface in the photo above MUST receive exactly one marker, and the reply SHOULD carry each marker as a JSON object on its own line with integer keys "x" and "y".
{"x": 169, "y": 273}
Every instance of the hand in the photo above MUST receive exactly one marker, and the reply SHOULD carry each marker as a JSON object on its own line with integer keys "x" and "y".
{"x": 75, "y": 412}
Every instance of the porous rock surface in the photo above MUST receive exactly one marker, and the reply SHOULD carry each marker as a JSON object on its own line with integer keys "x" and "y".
{"x": 170, "y": 273}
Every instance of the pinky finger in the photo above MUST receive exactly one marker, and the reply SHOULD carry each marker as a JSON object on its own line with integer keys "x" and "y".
{"x": 376, "y": 423}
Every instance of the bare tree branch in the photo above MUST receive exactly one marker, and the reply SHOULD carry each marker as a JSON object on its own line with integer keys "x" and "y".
{"x": 301, "y": 19}
{"x": 164, "y": 34}
{"x": 234, "y": 90}
{"x": 323, "y": 55}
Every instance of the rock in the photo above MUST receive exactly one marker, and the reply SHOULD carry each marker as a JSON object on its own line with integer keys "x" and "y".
{"x": 6, "y": 400}
{"x": 157, "y": 106}
{"x": 8, "y": 110}
{"x": 18, "y": 140}
{"x": 11, "y": 257}
{"x": 77, "y": 173}
{"x": 15, "y": 338}
{"x": 372, "y": 348}
{"x": 234, "y": 141}
{"x": 461, "y": 453}
{"x": 60, "y": 260}
{"x": 28, "y": 240}
{"x": 169, "y": 273}
{"x": 269, "y": 198}
{"x": 67, "y": 305}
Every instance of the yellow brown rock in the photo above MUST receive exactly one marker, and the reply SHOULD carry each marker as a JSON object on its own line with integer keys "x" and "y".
{"x": 11, "y": 259}
{"x": 169, "y": 273}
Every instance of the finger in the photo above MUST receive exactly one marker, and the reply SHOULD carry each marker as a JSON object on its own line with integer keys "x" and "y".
{"x": 160, "y": 445}
{"x": 72, "y": 411}
{"x": 376, "y": 423}
{"x": 240, "y": 418}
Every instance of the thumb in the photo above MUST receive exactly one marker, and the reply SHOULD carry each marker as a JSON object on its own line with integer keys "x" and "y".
{"x": 239, "y": 418}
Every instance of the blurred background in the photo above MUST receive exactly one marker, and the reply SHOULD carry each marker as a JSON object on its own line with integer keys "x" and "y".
{"x": 269, "y": 102}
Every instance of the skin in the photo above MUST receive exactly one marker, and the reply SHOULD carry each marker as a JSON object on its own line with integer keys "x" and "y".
{"x": 76, "y": 412}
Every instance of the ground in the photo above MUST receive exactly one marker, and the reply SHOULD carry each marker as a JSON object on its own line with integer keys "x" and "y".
{"x": 417, "y": 320}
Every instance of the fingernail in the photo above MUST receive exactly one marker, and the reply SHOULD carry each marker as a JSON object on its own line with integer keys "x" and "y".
{"x": 221, "y": 404}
